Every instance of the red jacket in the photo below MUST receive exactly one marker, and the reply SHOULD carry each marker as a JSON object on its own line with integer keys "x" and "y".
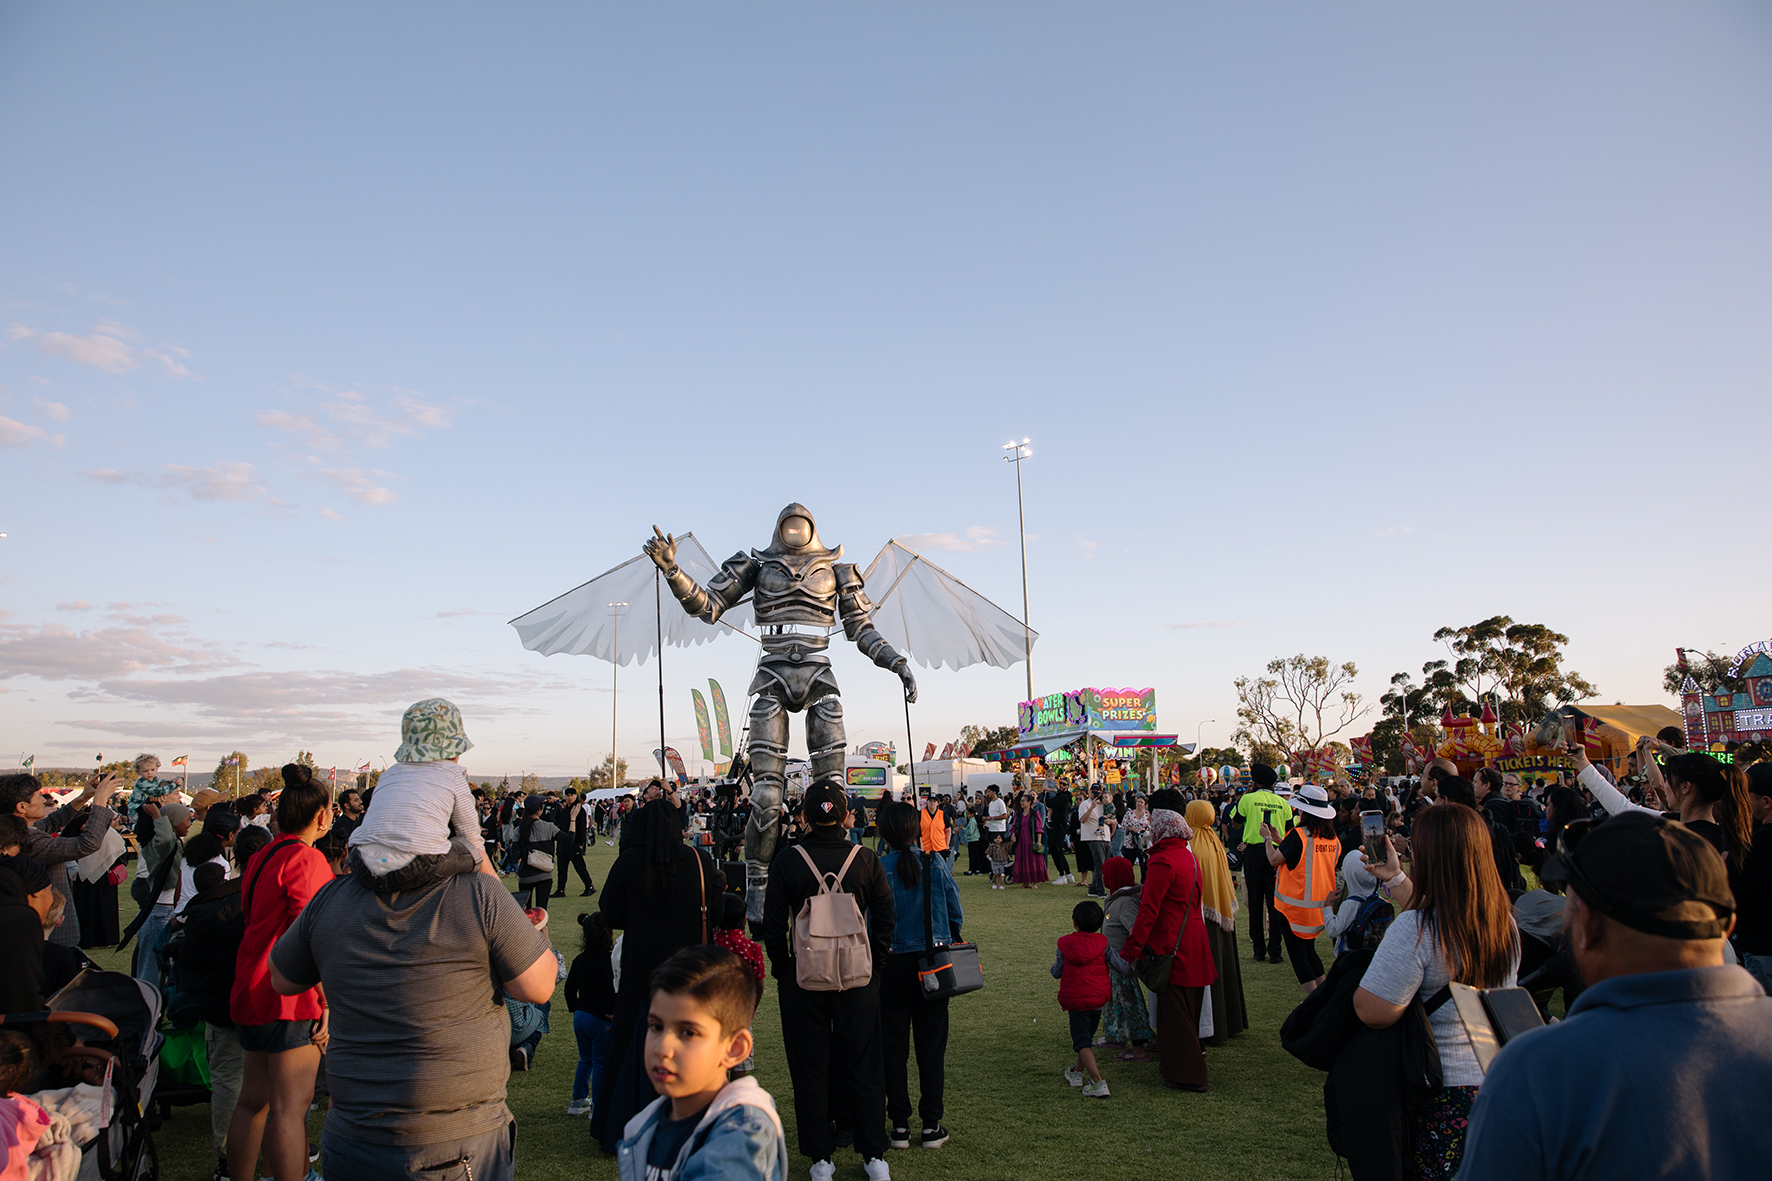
{"x": 293, "y": 874}
{"x": 1083, "y": 984}
{"x": 1171, "y": 890}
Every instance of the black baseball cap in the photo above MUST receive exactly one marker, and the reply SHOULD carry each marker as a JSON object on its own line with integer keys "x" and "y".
{"x": 1652, "y": 874}
{"x": 825, "y": 802}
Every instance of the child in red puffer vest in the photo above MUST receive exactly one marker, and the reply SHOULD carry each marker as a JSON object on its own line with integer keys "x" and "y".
{"x": 1082, "y": 973}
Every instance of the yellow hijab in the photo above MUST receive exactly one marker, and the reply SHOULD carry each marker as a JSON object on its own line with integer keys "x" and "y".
{"x": 1218, "y": 896}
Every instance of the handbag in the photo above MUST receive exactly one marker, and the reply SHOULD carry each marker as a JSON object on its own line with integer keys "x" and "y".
{"x": 1153, "y": 970}
{"x": 537, "y": 859}
{"x": 948, "y": 970}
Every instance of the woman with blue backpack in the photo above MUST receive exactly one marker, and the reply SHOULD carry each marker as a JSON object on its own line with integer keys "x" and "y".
{"x": 1364, "y": 916}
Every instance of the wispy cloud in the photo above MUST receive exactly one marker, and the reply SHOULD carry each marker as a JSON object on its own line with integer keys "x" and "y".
{"x": 329, "y": 514}
{"x": 23, "y": 434}
{"x": 970, "y": 541}
{"x": 1212, "y": 623}
{"x": 53, "y": 410}
{"x": 52, "y": 652}
{"x": 460, "y": 611}
{"x": 76, "y": 605}
{"x": 341, "y": 418}
{"x": 364, "y": 486}
{"x": 110, "y": 346}
{"x": 226, "y": 481}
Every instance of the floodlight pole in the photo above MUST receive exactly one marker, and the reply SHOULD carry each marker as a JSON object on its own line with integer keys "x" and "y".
{"x": 614, "y": 684}
{"x": 1018, "y": 452}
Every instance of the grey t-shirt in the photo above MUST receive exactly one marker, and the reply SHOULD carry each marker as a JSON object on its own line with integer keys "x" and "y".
{"x": 420, "y": 1035}
{"x": 1404, "y": 967}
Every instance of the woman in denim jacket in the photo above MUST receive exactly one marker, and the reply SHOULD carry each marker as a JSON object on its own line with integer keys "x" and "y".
{"x": 904, "y": 1010}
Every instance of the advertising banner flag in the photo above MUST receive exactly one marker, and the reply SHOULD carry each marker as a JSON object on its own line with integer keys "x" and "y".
{"x": 929, "y": 752}
{"x": 721, "y": 722}
{"x": 701, "y": 726}
{"x": 947, "y": 752}
{"x": 672, "y": 762}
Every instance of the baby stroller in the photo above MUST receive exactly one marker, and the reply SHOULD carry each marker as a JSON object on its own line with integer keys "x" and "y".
{"x": 112, "y": 1019}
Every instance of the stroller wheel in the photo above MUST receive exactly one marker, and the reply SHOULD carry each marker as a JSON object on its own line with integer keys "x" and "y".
{"x": 147, "y": 1161}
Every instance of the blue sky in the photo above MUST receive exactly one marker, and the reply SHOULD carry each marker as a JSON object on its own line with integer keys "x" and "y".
{"x": 337, "y": 336}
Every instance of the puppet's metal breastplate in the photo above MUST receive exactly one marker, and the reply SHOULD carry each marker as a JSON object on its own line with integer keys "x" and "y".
{"x": 807, "y": 595}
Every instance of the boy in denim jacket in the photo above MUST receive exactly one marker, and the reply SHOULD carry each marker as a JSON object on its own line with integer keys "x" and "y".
{"x": 701, "y": 1125}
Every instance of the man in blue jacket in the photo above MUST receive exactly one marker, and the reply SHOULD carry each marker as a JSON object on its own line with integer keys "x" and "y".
{"x": 1652, "y": 1072}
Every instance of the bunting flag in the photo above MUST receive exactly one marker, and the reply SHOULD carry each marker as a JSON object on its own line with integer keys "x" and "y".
{"x": 181, "y": 761}
{"x": 722, "y": 723}
{"x": 1362, "y": 748}
{"x": 701, "y": 725}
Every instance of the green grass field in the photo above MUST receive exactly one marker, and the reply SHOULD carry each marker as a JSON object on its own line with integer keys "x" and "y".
{"x": 1010, "y": 1111}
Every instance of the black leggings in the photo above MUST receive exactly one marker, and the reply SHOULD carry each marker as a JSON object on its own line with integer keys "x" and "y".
{"x": 1306, "y": 964}
{"x": 1058, "y": 860}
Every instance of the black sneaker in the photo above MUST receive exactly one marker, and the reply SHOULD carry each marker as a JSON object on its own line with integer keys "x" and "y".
{"x": 221, "y": 1170}
{"x": 589, "y": 890}
{"x": 1273, "y": 959}
{"x": 313, "y": 1153}
{"x": 935, "y": 1137}
{"x": 900, "y": 1138}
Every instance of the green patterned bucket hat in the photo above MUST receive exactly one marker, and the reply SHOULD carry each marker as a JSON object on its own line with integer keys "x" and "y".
{"x": 430, "y": 732}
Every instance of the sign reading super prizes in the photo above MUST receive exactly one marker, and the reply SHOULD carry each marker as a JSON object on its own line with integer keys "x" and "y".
{"x": 1086, "y": 709}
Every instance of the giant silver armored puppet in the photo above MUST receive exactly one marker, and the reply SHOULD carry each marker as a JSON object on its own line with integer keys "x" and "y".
{"x": 798, "y": 590}
{"x": 790, "y": 598}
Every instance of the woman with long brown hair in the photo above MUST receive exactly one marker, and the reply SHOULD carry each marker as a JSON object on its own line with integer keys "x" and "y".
{"x": 1454, "y": 924}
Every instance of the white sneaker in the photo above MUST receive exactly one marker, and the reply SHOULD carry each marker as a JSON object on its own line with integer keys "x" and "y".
{"x": 1096, "y": 1090}
{"x": 823, "y": 1170}
{"x": 578, "y": 1107}
{"x": 1074, "y": 1077}
{"x": 876, "y": 1170}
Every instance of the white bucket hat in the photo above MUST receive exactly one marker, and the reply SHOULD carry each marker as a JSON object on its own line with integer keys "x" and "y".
{"x": 1314, "y": 800}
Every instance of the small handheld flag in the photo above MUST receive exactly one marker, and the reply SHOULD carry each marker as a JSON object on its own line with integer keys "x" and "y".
{"x": 181, "y": 761}
{"x": 30, "y": 761}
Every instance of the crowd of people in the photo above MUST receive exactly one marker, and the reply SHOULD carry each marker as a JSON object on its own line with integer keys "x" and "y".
{"x": 1645, "y": 900}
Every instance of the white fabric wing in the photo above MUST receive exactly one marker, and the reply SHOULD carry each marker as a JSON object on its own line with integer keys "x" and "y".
{"x": 936, "y": 619}
{"x": 581, "y": 622}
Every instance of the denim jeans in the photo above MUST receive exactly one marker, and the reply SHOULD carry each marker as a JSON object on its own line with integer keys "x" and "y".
{"x": 592, "y": 1033}
{"x": 146, "y": 965}
{"x": 489, "y": 1157}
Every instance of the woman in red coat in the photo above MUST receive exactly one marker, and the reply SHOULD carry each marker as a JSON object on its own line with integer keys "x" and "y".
{"x": 1169, "y": 920}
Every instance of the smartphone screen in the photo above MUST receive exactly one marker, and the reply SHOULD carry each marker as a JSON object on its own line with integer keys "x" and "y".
{"x": 1268, "y": 816}
{"x": 1372, "y": 824}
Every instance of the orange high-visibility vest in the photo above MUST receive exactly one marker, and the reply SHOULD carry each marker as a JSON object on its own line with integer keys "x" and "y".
{"x": 1301, "y": 893}
{"x": 935, "y": 830}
